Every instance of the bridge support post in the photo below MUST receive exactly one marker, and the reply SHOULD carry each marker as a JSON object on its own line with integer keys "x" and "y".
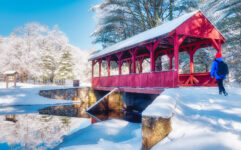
{"x": 133, "y": 54}
{"x": 100, "y": 61}
{"x": 108, "y": 64}
{"x": 120, "y": 62}
{"x": 152, "y": 48}
{"x": 176, "y": 52}
{"x": 129, "y": 65}
{"x": 140, "y": 62}
{"x": 217, "y": 45}
{"x": 170, "y": 56}
{"x": 93, "y": 64}
{"x": 191, "y": 63}
{"x": 177, "y": 42}
{"x": 170, "y": 62}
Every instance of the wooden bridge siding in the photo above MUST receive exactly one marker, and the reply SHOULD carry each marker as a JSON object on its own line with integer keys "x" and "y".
{"x": 143, "y": 80}
{"x": 167, "y": 79}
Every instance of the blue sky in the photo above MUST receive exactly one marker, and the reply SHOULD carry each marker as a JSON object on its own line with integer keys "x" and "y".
{"x": 71, "y": 16}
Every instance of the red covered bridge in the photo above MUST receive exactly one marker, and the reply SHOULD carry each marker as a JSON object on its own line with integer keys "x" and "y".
{"x": 187, "y": 33}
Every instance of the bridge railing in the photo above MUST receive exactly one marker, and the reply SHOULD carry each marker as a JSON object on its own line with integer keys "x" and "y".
{"x": 142, "y": 80}
{"x": 196, "y": 79}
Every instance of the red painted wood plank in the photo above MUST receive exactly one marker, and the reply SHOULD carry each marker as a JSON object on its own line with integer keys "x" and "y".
{"x": 142, "y": 80}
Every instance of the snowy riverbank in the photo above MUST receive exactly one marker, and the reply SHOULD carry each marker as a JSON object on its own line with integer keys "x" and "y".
{"x": 27, "y": 94}
{"x": 203, "y": 119}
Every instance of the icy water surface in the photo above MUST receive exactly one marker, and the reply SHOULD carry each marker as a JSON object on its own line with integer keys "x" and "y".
{"x": 43, "y": 127}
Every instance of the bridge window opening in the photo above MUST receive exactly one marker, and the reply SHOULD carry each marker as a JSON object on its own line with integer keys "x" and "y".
{"x": 203, "y": 59}
{"x": 104, "y": 68}
{"x": 125, "y": 68}
{"x": 146, "y": 65}
{"x": 114, "y": 68}
{"x": 165, "y": 63}
{"x": 184, "y": 62}
{"x": 162, "y": 63}
{"x": 96, "y": 70}
{"x": 158, "y": 64}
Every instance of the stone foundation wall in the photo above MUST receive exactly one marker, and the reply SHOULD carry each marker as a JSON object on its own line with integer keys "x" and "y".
{"x": 154, "y": 129}
{"x": 84, "y": 95}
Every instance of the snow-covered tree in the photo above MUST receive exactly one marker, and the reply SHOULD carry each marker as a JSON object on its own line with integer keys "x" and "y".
{"x": 81, "y": 68}
{"x": 65, "y": 69}
{"x": 51, "y": 46}
{"x": 121, "y": 19}
{"x": 35, "y": 51}
{"x": 226, "y": 15}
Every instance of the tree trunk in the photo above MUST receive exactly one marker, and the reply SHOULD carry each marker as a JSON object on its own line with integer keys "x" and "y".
{"x": 171, "y": 9}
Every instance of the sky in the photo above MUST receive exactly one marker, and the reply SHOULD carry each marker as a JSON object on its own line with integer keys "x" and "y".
{"x": 72, "y": 17}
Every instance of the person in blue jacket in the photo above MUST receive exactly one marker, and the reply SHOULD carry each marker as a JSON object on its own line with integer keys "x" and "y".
{"x": 219, "y": 78}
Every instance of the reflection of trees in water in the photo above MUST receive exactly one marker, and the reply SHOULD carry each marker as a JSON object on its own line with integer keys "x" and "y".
{"x": 33, "y": 131}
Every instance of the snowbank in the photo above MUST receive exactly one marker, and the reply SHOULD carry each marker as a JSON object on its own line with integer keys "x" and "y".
{"x": 109, "y": 134}
{"x": 163, "y": 106}
{"x": 27, "y": 94}
{"x": 203, "y": 119}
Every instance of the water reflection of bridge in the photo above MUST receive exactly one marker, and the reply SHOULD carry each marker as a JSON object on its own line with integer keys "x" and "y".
{"x": 77, "y": 110}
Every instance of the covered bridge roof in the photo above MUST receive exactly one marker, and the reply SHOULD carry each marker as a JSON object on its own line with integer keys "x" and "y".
{"x": 193, "y": 24}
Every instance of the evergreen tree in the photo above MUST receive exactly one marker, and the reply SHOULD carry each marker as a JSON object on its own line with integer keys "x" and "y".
{"x": 49, "y": 67}
{"x": 65, "y": 70}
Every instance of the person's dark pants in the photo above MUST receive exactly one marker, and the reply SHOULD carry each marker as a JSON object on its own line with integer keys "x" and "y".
{"x": 220, "y": 86}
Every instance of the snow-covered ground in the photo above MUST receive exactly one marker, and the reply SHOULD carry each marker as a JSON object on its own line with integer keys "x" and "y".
{"x": 27, "y": 94}
{"x": 201, "y": 119}
{"x": 106, "y": 135}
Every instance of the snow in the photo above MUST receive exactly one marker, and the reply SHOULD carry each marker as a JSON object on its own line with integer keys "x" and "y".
{"x": 162, "y": 106}
{"x": 109, "y": 134}
{"x": 10, "y": 72}
{"x": 27, "y": 94}
{"x": 165, "y": 28}
{"x": 202, "y": 119}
